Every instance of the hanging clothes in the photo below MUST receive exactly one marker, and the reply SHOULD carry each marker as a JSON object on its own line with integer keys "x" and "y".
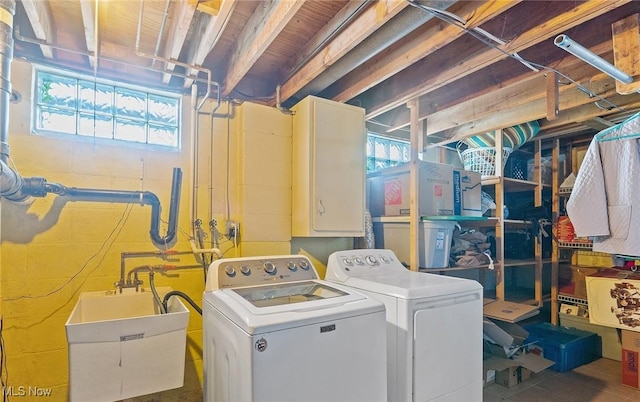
{"x": 605, "y": 200}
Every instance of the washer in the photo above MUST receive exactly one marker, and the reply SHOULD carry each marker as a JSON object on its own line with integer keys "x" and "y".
{"x": 434, "y": 331}
{"x": 275, "y": 332}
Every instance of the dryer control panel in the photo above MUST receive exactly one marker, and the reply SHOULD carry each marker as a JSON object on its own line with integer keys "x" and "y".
{"x": 366, "y": 262}
{"x": 249, "y": 271}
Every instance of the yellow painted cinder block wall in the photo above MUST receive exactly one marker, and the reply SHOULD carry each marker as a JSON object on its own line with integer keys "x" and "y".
{"x": 55, "y": 248}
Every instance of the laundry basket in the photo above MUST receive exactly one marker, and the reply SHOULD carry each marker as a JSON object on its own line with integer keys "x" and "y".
{"x": 482, "y": 159}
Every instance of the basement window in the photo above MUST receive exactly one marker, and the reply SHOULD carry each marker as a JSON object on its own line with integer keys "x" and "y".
{"x": 88, "y": 108}
{"x": 385, "y": 152}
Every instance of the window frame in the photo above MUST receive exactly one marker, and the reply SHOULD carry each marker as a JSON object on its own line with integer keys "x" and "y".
{"x": 77, "y": 110}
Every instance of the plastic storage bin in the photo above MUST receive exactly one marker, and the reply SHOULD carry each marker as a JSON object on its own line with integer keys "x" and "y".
{"x": 567, "y": 347}
{"x": 434, "y": 237}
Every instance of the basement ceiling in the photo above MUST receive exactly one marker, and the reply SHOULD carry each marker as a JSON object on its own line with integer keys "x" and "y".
{"x": 468, "y": 66}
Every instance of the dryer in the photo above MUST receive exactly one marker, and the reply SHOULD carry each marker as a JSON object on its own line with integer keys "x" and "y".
{"x": 434, "y": 325}
{"x": 275, "y": 332}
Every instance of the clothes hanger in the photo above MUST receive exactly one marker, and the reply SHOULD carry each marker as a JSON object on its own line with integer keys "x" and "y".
{"x": 618, "y": 131}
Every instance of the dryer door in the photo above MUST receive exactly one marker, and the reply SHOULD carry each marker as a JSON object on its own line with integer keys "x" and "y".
{"x": 447, "y": 350}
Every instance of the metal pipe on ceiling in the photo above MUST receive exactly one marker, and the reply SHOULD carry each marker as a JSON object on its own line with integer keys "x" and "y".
{"x": 398, "y": 27}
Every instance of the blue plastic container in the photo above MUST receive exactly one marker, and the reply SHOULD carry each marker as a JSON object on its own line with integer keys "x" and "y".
{"x": 567, "y": 347}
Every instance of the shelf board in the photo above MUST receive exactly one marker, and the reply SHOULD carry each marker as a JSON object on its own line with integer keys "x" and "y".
{"x": 575, "y": 244}
{"x": 451, "y": 269}
{"x": 514, "y": 262}
{"x": 509, "y": 183}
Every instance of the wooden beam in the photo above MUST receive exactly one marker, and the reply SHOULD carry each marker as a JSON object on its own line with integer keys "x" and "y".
{"x": 399, "y": 93}
{"x": 178, "y": 34}
{"x": 552, "y": 96}
{"x": 337, "y": 22}
{"x": 528, "y": 111}
{"x": 41, "y": 21}
{"x": 414, "y": 185}
{"x": 424, "y": 41}
{"x": 266, "y": 23}
{"x": 626, "y": 51}
{"x": 346, "y": 40}
{"x": 211, "y": 7}
{"x": 518, "y": 90}
{"x": 87, "y": 8}
{"x": 208, "y": 37}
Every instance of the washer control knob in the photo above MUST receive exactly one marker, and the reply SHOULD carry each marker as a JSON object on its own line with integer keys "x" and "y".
{"x": 269, "y": 267}
{"x": 371, "y": 260}
{"x": 347, "y": 261}
{"x": 384, "y": 259}
{"x": 292, "y": 266}
{"x": 245, "y": 269}
{"x": 303, "y": 264}
{"x": 358, "y": 261}
{"x": 230, "y": 271}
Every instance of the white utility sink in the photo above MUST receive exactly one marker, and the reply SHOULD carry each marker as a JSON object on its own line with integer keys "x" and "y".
{"x": 120, "y": 346}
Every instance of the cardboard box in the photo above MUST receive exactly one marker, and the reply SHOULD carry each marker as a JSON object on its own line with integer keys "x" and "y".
{"x": 512, "y": 376}
{"x": 572, "y": 280}
{"x": 505, "y": 353}
{"x": 614, "y": 298}
{"x": 443, "y": 190}
{"x": 583, "y": 258}
{"x": 630, "y": 359}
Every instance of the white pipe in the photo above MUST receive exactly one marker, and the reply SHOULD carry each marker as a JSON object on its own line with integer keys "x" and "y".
{"x": 194, "y": 156}
{"x": 586, "y": 55}
{"x": 196, "y": 250}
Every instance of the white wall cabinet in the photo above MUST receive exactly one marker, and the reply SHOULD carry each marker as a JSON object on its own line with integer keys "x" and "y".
{"x": 329, "y": 162}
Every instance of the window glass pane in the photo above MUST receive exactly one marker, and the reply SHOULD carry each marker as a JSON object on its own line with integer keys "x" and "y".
{"x": 370, "y": 146}
{"x": 395, "y": 152}
{"x": 131, "y": 103}
{"x": 381, "y": 164}
{"x": 163, "y": 135}
{"x": 130, "y": 130}
{"x": 57, "y": 91}
{"x": 93, "y": 108}
{"x": 95, "y": 97}
{"x": 95, "y": 125}
{"x": 58, "y": 120}
{"x": 163, "y": 109}
{"x": 381, "y": 148}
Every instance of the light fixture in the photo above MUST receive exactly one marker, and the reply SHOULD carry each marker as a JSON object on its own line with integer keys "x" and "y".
{"x": 581, "y": 52}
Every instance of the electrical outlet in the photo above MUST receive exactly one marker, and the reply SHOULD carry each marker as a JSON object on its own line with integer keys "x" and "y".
{"x": 232, "y": 229}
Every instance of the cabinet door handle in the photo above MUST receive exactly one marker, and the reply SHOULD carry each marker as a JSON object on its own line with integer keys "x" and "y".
{"x": 321, "y": 208}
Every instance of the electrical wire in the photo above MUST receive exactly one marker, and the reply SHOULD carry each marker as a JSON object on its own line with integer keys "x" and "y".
{"x": 487, "y": 38}
{"x": 111, "y": 238}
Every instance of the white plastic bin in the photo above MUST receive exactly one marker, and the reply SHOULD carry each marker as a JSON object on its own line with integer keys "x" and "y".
{"x": 434, "y": 237}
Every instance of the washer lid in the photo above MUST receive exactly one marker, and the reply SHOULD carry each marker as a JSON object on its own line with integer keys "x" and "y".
{"x": 413, "y": 285}
{"x": 266, "y": 308}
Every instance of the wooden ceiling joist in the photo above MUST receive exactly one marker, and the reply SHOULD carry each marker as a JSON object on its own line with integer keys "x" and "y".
{"x": 40, "y": 18}
{"x": 87, "y": 8}
{"x": 418, "y": 45}
{"x": 261, "y": 30}
{"x": 400, "y": 93}
{"x": 178, "y": 34}
{"x": 363, "y": 25}
{"x": 209, "y": 37}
